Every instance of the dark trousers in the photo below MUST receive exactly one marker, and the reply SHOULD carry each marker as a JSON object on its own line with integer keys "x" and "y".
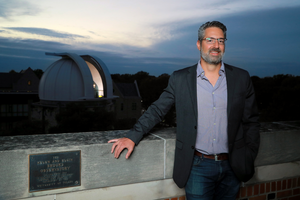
{"x": 211, "y": 180}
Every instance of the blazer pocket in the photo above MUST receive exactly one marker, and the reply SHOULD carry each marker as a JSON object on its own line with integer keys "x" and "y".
{"x": 239, "y": 144}
{"x": 179, "y": 144}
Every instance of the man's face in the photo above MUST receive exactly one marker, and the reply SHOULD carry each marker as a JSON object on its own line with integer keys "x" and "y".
{"x": 212, "y": 53}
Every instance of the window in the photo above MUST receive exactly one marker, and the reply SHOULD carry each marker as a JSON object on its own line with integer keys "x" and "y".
{"x": 29, "y": 82}
{"x": 14, "y": 110}
{"x": 3, "y": 111}
{"x": 133, "y": 106}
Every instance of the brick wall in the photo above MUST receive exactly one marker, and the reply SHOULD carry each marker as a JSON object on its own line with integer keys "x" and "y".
{"x": 176, "y": 198}
{"x": 284, "y": 189}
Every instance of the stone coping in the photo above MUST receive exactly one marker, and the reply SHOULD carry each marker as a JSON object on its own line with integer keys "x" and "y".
{"x": 98, "y": 137}
{"x": 280, "y": 141}
{"x": 72, "y": 139}
{"x": 152, "y": 159}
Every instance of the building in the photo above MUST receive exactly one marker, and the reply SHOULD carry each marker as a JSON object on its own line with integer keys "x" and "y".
{"x": 128, "y": 106}
{"x": 84, "y": 80}
{"x": 17, "y": 92}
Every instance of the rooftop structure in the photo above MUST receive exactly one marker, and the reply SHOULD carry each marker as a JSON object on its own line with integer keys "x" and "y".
{"x": 23, "y": 82}
{"x": 17, "y": 91}
{"x": 75, "y": 78}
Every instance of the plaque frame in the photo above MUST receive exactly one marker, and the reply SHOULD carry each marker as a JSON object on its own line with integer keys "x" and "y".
{"x": 77, "y": 161}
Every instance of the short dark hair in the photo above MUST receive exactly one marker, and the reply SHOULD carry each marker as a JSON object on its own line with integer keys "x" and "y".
{"x": 217, "y": 24}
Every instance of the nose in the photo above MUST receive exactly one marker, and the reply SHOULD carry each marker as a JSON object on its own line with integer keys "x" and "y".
{"x": 216, "y": 44}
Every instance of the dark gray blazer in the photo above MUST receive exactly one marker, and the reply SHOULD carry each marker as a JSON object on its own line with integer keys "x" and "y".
{"x": 243, "y": 125}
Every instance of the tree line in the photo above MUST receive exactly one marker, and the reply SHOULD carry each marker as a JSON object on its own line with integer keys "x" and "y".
{"x": 277, "y": 100}
{"x": 277, "y": 97}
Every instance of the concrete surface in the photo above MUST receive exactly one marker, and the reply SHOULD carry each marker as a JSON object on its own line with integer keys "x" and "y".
{"x": 152, "y": 160}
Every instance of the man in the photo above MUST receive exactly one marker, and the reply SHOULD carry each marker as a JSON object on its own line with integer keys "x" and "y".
{"x": 217, "y": 135}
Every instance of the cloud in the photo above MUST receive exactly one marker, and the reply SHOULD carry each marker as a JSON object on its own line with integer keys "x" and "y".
{"x": 18, "y": 45}
{"x": 21, "y": 54}
{"x": 18, "y": 56}
{"x": 138, "y": 23}
{"x": 11, "y": 8}
{"x": 262, "y": 37}
{"x": 45, "y": 32}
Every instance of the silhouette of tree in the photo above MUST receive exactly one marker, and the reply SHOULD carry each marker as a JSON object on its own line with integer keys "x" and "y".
{"x": 39, "y": 73}
{"x": 12, "y": 71}
{"x": 277, "y": 97}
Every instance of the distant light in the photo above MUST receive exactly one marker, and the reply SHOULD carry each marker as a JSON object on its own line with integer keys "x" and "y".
{"x": 100, "y": 93}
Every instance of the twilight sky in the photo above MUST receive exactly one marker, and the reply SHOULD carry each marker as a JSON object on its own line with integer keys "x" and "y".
{"x": 157, "y": 36}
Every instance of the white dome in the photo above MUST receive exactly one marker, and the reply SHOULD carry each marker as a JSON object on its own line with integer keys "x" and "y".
{"x": 75, "y": 78}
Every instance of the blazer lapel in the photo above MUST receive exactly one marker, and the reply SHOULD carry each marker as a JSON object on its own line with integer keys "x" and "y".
{"x": 230, "y": 87}
{"x": 191, "y": 79}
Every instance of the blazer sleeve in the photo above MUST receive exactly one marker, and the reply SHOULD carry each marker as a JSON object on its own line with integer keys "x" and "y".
{"x": 154, "y": 113}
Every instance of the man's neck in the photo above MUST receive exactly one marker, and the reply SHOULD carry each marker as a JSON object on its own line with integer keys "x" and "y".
{"x": 211, "y": 71}
{"x": 210, "y": 68}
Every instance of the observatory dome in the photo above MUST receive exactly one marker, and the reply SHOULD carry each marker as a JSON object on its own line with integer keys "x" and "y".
{"x": 75, "y": 78}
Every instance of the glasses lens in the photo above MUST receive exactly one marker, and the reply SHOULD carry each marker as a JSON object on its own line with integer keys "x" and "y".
{"x": 221, "y": 41}
{"x": 209, "y": 40}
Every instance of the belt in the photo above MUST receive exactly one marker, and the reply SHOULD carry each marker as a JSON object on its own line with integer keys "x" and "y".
{"x": 216, "y": 157}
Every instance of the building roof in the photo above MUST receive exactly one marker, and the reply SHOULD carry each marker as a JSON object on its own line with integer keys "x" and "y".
{"x": 8, "y": 79}
{"x": 128, "y": 89}
{"x": 75, "y": 78}
{"x": 26, "y": 80}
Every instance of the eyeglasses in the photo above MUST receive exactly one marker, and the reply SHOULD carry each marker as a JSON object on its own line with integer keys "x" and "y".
{"x": 211, "y": 40}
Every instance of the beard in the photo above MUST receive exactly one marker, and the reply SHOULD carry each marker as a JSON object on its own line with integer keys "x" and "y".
{"x": 213, "y": 60}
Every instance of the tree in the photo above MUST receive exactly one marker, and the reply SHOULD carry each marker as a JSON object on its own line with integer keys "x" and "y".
{"x": 277, "y": 97}
{"x": 12, "y": 71}
{"x": 39, "y": 73}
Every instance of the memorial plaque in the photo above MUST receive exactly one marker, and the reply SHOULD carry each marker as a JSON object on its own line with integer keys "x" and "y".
{"x": 54, "y": 170}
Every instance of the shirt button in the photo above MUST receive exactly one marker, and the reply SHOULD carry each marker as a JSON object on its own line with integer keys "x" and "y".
{"x": 213, "y": 93}
{"x": 214, "y": 123}
{"x": 214, "y": 108}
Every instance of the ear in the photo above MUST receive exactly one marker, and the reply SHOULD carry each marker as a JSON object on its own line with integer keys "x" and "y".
{"x": 198, "y": 45}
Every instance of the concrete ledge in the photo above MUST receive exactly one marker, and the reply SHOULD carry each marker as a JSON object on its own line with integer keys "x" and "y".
{"x": 275, "y": 172}
{"x": 148, "y": 191}
{"x": 151, "y": 162}
{"x": 278, "y": 147}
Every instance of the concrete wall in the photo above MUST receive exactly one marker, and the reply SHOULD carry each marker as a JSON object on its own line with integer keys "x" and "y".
{"x": 148, "y": 171}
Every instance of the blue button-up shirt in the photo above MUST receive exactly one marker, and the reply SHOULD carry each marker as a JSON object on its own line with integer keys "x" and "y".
{"x": 212, "y": 113}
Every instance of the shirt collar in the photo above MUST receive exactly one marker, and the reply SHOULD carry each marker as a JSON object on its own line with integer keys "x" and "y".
{"x": 201, "y": 73}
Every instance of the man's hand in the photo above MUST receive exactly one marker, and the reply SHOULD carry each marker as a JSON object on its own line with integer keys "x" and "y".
{"x": 121, "y": 144}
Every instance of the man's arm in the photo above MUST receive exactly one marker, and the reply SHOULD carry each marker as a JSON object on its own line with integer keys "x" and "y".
{"x": 147, "y": 121}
